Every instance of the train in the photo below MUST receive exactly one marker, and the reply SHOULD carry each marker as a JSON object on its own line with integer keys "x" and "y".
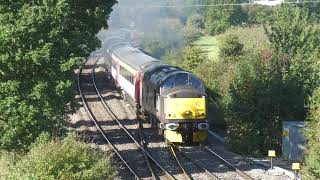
{"x": 171, "y": 99}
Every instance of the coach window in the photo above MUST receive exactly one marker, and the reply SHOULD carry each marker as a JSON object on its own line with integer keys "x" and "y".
{"x": 126, "y": 74}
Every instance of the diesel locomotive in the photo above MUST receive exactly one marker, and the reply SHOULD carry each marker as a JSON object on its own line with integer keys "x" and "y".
{"x": 174, "y": 100}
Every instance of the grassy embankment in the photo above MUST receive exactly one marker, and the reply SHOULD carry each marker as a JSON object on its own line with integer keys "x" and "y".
{"x": 253, "y": 38}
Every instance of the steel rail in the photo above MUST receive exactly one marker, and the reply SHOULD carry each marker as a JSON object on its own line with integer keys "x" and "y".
{"x": 186, "y": 175}
{"x": 107, "y": 107}
{"x": 238, "y": 171}
{"x": 200, "y": 165}
{"x": 85, "y": 104}
{"x": 142, "y": 141}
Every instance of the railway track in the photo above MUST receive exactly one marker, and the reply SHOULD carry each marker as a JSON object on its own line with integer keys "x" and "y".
{"x": 216, "y": 166}
{"x": 198, "y": 164}
{"x": 148, "y": 166}
{"x": 139, "y": 167}
{"x": 229, "y": 164}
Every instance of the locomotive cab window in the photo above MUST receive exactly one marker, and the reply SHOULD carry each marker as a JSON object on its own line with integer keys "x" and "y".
{"x": 182, "y": 79}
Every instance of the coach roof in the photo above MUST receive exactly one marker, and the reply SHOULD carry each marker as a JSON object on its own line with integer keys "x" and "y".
{"x": 133, "y": 57}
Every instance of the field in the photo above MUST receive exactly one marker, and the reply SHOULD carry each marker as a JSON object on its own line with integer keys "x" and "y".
{"x": 210, "y": 45}
{"x": 253, "y": 38}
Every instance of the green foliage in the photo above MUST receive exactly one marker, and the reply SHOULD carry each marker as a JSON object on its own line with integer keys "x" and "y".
{"x": 219, "y": 18}
{"x": 292, "y": 31}
{"x": 258, "y": 14}
{"x": 197, "y": 21}
{"x": 164, "y": 39}
{"x": 209, "y": 45}
{"x": 217, "y": 76}
{"x": 275, "y": 85}
{"x": 41, "y": 43}
{"x": 252, "y": 114}
{"x": 255, "y": 42}
{"x": 267, "y": 90}
{"x": 65, "y": 159}
{"x": 194, "y": 28}
{"x": 311, "y": 169}
{"x": 230, "y": 46}
{"x": 192, "y": 58}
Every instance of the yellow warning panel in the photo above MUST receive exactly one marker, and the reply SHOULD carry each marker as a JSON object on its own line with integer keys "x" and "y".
{"x": 296, "y": 166}
{"x": 173, "y": 136}
{"x": 272, "y": 153}
{"x": 185, "y": 108}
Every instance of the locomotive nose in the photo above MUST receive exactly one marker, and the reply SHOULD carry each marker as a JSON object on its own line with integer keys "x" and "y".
{"x": 185, "y": 108}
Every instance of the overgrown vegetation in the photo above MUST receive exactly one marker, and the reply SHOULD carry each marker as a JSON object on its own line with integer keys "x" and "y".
{"x": 57, "y": 159}
{"x": 220, "y": 18}
{"x": 41, "y": 43}
{"x": 230, "y": 46}
{"x": 268, "y": 90}
{"x": 311, "y": 168}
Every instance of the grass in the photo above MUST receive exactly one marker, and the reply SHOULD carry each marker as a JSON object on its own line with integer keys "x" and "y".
{"x": 253, "y": 38}
{"x": 210, "y": 45}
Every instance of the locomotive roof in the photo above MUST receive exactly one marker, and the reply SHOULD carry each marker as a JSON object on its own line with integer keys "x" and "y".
{"x": 133, "y": 57}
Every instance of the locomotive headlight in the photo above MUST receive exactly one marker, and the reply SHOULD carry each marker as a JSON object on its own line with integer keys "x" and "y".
{"x": 172, "y": 126}
{"x": 203, "y": 126}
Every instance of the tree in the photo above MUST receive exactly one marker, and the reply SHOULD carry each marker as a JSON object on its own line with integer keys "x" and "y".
{"x": 258, "y": 14}
{"x": 292, "y": 31}
{"x": 268, "y": 90}
{"x": 230, "y": 46}
{"x": 219, "y": 18}
{"x": 311, "y": 169}
{"x": 192, "y": 57}
{"x": 41, "y": 43}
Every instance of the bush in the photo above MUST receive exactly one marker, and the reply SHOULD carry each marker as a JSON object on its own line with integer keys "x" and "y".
{"x": 311, "y": 169}
{"x": 263, "y": 93}
{"x": 192, "y": 57}
{"x": 258, "y": 14}
{"x": 61, "y": 159}
{"x": 197, "y": 21}
{"x": 193, "y": 28}
{"x": 220, "y": 18}
{"x": 230, "y": 46}
{"x": 217, "y": 77}
{"x": 253, "y": 111}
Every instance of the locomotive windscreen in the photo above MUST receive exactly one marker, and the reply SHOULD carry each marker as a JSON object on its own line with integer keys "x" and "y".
{"x": 182, "y": 79}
